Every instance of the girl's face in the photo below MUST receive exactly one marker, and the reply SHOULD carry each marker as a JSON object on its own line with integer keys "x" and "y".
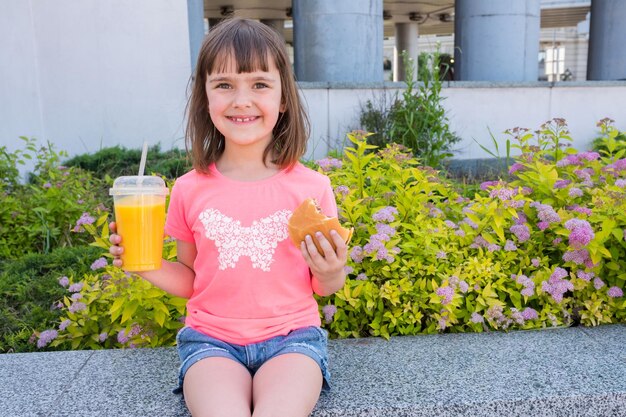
{"x": 245, "y": 107}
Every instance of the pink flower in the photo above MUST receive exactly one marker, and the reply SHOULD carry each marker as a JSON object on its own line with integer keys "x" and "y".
{"x": 615, "y": 292}
{"x": 521, "y": 279}
{"x": 99, "y": 263}
{"x": 581, "y": 233}
{"x": 510, "y": 246}
{"x": 46, "y": 337}
{"x": 386, "y": 214}
{"x": 470, "y": 223}
{"x": 521, "y": 232}
{"x": 562, "y": 184}
{"x": 385, "y": 229}
{"x": 342, "y": 190}
{"x": 477, "y": 318}
{"x": 328, "y": 164}
{"x": 546, "y": 213}
{"x": 575, "y": 192}
{"x": 86, "y": 218}
{"x": 77, "y": 306}
{"x": 529, "y": 313}
{"x": 488, "y": 184}
{"x": 121, "y": 337}
{"x": 579, "y": 256}
{"x": 515, "y": 167}
{"x": 492, "y": 247}
{"x": 585, "y": 276}
{"x": 329, "y": 311}
{"x": 446, "y": 293}
{"x": 543, "y": 225}
{"x": 450, "y": 224}
{"x": 503, "y": 193}
{"x": 598, "y": 283}
{"x": 556, "y": 285}
{"x": 479, "y": 242}
{"x": 356, "y": 254}
{"x": 568, "y": 160}
{"x": 589, "y": 156}
{"x": 582, "y": 210}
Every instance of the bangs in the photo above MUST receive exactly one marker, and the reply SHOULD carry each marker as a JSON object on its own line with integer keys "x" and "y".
{"x": 241, "y": 46}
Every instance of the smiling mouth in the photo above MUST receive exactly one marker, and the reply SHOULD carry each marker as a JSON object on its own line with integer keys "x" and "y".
{"x": 242, "y": 119}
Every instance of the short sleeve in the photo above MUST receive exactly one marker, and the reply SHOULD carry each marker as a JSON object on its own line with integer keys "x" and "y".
{"x": 327, "y": 201}
{"x": 176, "y": 224}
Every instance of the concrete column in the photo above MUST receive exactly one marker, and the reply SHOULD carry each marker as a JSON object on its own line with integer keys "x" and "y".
{"x": 496, "y": 40}
{"x": 277, "y": 24}
{"x": 338, "y": 40}
{"x": 195, "y": 21}
{"x": 606, "y": 59}
{"x": 406, "y": 40}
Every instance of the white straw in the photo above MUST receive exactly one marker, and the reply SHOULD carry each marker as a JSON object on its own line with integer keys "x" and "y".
{"x": 144, "y": 154}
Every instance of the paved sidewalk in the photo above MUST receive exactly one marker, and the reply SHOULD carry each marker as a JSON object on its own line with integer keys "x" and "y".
{"x": 554, "y": 372}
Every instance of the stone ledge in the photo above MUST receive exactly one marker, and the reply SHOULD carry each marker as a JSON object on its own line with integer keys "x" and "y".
{"x": 556, "y": 372}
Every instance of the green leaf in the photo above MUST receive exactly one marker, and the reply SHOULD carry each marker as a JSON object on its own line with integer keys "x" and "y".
{"x": 129, "y": 310}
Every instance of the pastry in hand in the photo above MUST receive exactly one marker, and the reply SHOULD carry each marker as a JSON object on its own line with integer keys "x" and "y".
{"x": 307, "y": 219}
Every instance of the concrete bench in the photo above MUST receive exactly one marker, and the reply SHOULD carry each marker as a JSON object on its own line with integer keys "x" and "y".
{"x": 554, "y": 372}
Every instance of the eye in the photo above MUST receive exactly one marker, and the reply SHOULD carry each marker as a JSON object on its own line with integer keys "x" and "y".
{"x": 223, "y": 85}
{"x": 260, "y": 85}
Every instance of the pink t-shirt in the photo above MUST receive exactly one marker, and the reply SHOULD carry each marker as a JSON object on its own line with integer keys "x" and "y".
{"x": 252, "y": 282}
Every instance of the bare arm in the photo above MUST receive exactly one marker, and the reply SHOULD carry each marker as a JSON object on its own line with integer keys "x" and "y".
{"x": 175, "y": 278}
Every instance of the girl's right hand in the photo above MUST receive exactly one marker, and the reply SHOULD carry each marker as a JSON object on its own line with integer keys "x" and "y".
{"x": 115, "y": 249}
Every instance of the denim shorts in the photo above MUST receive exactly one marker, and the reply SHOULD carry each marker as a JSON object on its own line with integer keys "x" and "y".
{"x": 310, "y": 341}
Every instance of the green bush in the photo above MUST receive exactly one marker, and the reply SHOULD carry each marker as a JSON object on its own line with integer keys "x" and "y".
{"x": 29, "y": 293}
{"x": 610, "y": 141}
{"x": 109, "y": 308}
{"x": 546, "y": 249}
{"x": 116, "y": 161}
{"x": 41, "y": 214}
{"x": 418, "y": 120}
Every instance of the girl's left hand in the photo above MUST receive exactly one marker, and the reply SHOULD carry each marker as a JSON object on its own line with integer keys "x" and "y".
{"x": 328, "y": 266}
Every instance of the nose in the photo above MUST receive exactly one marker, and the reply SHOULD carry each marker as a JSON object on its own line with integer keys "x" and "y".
{"x": 242, "y": 98}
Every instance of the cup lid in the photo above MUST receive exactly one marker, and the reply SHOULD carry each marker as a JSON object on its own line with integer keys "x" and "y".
{"x": 134, "y": 184}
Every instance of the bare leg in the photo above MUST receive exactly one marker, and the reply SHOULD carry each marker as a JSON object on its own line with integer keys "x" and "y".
{"x": 218, "y": 387}
{"x": 288, "y": 385}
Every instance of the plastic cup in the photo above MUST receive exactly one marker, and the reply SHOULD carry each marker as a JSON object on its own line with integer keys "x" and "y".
{"x": 140, "y": 216}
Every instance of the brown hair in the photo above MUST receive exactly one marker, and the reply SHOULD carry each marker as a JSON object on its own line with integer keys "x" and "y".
{"x": 250, "y": 43}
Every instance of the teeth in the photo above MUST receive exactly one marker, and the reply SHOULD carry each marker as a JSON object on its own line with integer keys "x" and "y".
{"x": 244, "y": 119}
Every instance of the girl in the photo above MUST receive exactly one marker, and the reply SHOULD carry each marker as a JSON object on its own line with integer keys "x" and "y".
{"x": 252, "y": 342}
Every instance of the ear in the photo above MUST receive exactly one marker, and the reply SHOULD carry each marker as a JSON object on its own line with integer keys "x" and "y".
{"x": 283, "y": 107}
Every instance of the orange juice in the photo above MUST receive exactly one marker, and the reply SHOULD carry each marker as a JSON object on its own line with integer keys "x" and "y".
{"x": 140, "y": 222}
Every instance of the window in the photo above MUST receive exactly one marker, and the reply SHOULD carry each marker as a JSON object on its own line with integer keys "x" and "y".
{"x": 555, "y": 63}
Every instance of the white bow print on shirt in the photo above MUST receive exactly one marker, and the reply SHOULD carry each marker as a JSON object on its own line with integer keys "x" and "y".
{"x": 232, "y": 240}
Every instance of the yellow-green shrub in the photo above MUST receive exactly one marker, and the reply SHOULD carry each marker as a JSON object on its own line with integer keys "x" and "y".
{"x": 448, "y": 263}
